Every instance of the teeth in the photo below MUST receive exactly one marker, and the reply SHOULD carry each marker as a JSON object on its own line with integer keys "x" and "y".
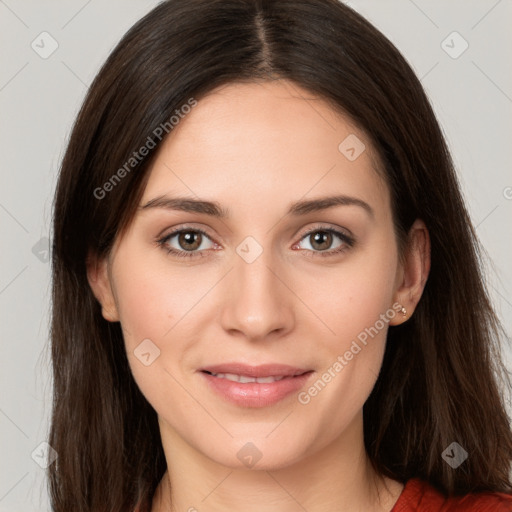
{"x": 243, "y": 379}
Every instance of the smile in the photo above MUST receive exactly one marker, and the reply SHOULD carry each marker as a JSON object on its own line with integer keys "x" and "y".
{"x": 244, "y": 379}
{"x": 254, "y": 386}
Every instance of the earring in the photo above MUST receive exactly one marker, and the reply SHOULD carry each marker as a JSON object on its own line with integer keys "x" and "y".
{"x": 403, "y": 311}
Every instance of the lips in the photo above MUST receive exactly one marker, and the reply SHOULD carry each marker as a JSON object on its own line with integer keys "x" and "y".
{"x": 255, "y": 386}
{"x": 260, "y": 371}
{"x": 245, "y": 379}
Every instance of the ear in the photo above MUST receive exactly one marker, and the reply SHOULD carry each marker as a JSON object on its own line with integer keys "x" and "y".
{"x": 100, "y": 283}
{"x": 413, "y": 272}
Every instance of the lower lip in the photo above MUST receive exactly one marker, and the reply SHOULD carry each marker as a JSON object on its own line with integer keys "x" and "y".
{"x": 254, "y": 394}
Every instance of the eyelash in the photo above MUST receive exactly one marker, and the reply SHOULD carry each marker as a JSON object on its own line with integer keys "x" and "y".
{"x": 347, "y": 241}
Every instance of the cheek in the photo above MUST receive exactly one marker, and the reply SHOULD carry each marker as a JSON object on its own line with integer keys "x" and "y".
{"x": 356, "y": 305}
{"x": 147, "y": 317}
{"x": 145, "y": 306}
{"x": 149, "y": 306}
{"x": 151, "y": 299}
{"x": 159, "y": 308}
{"x": 350, "y": 360}
{"x": 351, "y": 297}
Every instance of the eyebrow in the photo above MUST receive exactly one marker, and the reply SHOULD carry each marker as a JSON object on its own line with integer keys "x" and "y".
{"x": 190, "y": 204}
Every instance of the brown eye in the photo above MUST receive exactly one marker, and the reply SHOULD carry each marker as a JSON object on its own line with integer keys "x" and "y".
{"x": 321, "y": 240}
{"x": 189, "y": 240}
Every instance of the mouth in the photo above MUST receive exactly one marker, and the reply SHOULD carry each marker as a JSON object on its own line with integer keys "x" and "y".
{"x": 255, "y": 386}
{"x": 244, "y": 379}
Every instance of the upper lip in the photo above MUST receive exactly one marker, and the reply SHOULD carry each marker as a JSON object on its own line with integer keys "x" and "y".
{"x": 263, "y": 370}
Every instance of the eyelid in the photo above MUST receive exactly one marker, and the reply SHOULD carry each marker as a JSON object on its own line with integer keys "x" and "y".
{"x": 184, "y": 228}
{"x": 326, "y": 227}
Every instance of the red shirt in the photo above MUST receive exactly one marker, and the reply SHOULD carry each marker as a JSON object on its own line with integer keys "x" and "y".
{"x": 419, "y": 496}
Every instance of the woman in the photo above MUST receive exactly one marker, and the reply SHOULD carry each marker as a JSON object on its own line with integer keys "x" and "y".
{"x": 266, "y": 286}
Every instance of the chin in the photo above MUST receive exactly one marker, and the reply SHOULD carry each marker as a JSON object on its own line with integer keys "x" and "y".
{"x": 255, "y": 454}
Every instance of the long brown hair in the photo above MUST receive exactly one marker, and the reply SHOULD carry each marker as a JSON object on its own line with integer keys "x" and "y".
{"x": 440, "y": 377}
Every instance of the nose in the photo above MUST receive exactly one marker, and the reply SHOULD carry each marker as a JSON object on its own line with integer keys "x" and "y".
{"x": 258, "y": 303}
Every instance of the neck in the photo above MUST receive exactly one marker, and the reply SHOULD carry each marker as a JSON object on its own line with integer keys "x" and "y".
{"x": 337, "y": 477}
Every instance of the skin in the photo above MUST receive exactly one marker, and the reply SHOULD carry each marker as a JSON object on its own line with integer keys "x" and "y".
{"x": 255, "y": 148}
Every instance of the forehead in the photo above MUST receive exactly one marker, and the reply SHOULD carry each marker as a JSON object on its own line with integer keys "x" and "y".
{"x": 263, "y": 144}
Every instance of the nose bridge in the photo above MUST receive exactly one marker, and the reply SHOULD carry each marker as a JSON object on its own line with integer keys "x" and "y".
{"x": 257, "y": 302}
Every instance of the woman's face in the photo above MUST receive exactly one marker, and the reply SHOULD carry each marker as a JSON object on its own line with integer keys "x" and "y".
{"x": 289, "y": 285}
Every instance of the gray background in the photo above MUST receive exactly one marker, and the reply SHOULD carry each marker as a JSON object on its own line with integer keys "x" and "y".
{"x": 39, "y": 98}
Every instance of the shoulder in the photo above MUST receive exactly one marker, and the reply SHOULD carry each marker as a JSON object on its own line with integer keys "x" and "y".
{"x": 420, "y": 496}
